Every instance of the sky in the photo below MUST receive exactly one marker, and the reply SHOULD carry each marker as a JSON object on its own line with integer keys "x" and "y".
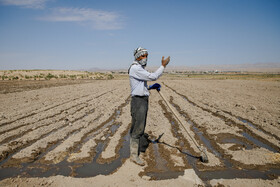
{"x": 83, "y": 34}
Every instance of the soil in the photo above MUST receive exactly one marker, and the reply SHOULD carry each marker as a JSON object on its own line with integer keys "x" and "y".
{"x": 19, "y": 86}
{"x": 76, "y": 133}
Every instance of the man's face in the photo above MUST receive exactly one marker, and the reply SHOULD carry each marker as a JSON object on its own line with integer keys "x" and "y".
{"x": 142, "y": 57}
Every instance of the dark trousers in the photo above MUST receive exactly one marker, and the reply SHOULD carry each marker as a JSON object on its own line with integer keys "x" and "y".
{"x": 139, "y": 110}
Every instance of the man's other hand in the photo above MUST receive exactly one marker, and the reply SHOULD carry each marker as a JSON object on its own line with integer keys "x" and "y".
{"x": 156, "y": 86}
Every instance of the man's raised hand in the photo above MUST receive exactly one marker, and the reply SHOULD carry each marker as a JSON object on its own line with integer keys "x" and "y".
{"x": 164, "y": 62}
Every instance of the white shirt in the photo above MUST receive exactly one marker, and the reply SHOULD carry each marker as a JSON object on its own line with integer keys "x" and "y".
{"x": 138, "y": 78}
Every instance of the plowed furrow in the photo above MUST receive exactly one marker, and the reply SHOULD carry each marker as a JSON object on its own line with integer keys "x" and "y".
{"x": 40, "y": 133}
{"x": 41, "y": 111}
{"x": 31, "y": 137}
{"x": 116, "y": 138}
{"x": 51, "y": 112}
{"x": 210, "y": 125}
{"x": 192, "y": 134}
{"x": 69, "y": 144}
{"x": 31, "y": 152}
{"x": 218, "y": 158}
{"x": 158, "y": 155}
{"x": 260, "y": 134}
{"x": 228, "y": 114}
{"x": 86, "y": 150}
{"x": 79, "y": 122}
{"x": 48, "y": 151}
{"x": 52, "y": 117}
{"x": 160, "y": 124}
{"x": 18, "y": 132}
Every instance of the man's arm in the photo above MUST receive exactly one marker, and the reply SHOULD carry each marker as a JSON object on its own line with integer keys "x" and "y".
{"x": 141, "y": 74}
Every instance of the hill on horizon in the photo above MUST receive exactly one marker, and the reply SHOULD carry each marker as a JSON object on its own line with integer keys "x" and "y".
{"x": 248, "y": 67}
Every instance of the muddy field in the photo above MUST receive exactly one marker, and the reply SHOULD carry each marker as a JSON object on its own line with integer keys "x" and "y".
{"x": 77, "y": 134}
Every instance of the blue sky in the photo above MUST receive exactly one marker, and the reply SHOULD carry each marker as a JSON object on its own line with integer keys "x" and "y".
{"x": 81, "y": 34}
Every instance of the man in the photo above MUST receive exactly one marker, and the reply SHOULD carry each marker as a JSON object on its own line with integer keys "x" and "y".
{"x": 138, "y": 77}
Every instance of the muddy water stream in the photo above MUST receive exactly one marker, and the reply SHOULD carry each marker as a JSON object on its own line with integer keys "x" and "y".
{"x": 67, "y": 169}
{"x": 94, "y": 168}
{"x": 36, "y": 169}
{"x": 229, "y": 172}
{"x": 163, "y": 172}
{"x": 246, "y": 135}
{"x": 221, "y": 116}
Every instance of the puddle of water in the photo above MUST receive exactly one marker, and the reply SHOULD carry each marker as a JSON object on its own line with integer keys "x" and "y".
{"x": 118, "y": 112}
{"x": 198, "y": 132}
{"x": 236, "y": 141}
{"x": 64, "y": 168}
{"x": 9, "y": 172}
{"x": 114, "y": 128}
{"x": 161, "y": 165}
{"x": 94, "y": 168}
{"x": 258, "y": 143}
{"x": 165, "y": 175}
{"x": 110, "y": 123}
{"x": 191, "y": 158}
{"x": 250, "y": 124}
{"x": 160, "y": 162}
{"x": 235, "y": 173}
{"x": 206, "y": 142}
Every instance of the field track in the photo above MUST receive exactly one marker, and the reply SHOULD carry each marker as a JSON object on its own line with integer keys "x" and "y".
{"x": 71, "y": 128}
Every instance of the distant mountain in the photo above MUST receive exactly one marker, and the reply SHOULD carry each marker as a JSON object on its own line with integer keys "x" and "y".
{"x": 248, "y": 67}
{"x": 95, "y": 69}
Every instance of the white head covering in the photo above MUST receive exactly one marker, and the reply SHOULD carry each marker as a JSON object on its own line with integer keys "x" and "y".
{"x": 139, "y": 52}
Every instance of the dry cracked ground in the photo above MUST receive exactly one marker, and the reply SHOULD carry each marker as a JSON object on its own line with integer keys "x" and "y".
{"x": 78, "y": 134}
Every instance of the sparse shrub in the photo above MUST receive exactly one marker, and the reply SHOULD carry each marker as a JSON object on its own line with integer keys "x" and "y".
{"x": 63, "y": 76}
{"x": 4, "y": 77}
{"x": 110, "y": 76}
{"x": 42, "y": 75}
{"x": 50, "y": 76}
{"x": 73, "y": 76}
{"x": 98, "y": 77}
